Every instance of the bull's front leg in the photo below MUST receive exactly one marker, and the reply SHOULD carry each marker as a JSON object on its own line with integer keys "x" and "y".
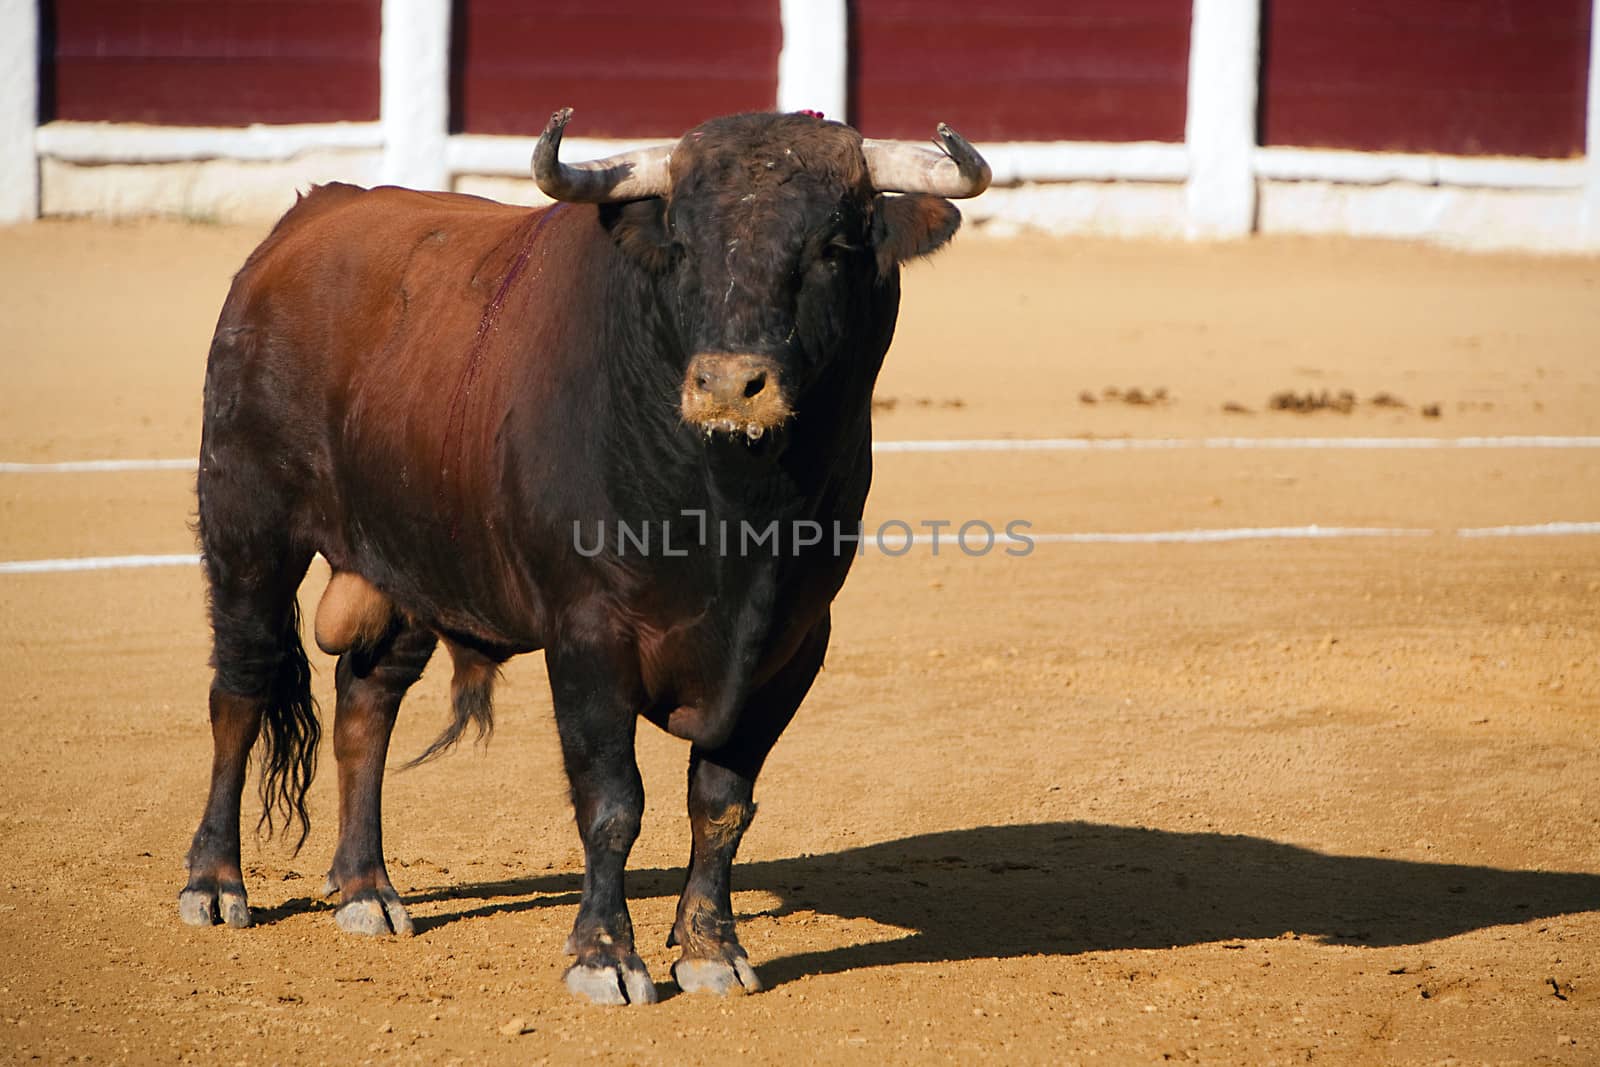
{"x": 721, "y": 806}
{"x": 596, "y": 714}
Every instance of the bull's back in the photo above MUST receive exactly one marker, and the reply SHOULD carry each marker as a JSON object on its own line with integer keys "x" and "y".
{"x": 345, "y": 266}
{"x": 383, "y": 335}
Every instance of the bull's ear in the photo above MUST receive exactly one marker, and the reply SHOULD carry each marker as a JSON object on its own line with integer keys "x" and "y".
{"x": 639, "y": 228}
{"x": 912, "y": 225}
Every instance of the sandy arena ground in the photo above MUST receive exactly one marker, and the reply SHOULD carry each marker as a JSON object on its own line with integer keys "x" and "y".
{"x": 1254, "y": 802}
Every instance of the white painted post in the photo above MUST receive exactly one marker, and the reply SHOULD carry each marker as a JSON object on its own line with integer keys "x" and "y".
{"x": 414, "y": 111}
{"x": 19, "y": 110}
{"x": 1224, "y": 68}
{"x": 812, "y": 64}
{"x": 1591, "y": 139}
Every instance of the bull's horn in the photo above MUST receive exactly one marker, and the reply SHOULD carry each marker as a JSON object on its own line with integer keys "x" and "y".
{"x": 626, "y": 176}
{"x": 957, "y": 171}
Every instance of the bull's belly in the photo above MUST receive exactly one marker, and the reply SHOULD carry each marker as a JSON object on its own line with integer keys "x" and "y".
{"x": 487, "y": 607}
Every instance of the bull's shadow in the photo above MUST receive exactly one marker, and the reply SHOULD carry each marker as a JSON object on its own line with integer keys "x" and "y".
{"x": 1067, "y": 887}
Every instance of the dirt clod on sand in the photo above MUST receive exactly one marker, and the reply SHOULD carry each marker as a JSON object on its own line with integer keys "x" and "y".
{"x": 1134, "y": 396}
{"x": 1344, "y": 401}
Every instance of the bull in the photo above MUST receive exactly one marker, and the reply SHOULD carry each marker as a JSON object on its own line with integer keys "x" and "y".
{"x": 454, "y": 400}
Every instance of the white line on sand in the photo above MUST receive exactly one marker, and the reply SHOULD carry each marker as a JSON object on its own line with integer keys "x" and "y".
{"x": 1543, "y": 529}
{"x": 893, "y": 544}
{"x": 96, "y": 563}
{"x": 92, "y": 466}
{"x": 999, "y": 444}
{"x": 1258, "y": 533}
{"x": 1143, "y": 444}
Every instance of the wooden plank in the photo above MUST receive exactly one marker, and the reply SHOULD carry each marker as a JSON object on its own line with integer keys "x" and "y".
{"x": 1096, "y": 70}
{"x": 630, "y": 68}
{"x": 218, "y": 63}
{"x": 1460, "y": 77}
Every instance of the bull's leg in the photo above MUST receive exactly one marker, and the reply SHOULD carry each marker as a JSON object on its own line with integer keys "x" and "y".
{"x": 261, "y": 680}
{"x": 215, "y": 889}
{"x": 721, "y": 785}
{"x": 370, "y": 685}
{"x": 596, "y": 713}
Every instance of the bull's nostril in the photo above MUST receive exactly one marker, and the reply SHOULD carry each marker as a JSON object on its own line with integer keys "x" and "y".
{"x": 755, "y": 385}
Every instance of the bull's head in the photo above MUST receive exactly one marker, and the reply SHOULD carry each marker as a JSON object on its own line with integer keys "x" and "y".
{"x": 778, "y": 245}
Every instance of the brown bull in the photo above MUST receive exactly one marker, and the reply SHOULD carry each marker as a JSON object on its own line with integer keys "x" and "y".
{"x": 509, "y": 430}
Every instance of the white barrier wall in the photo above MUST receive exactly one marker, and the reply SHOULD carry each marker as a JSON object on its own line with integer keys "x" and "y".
{"x": 1224, "y": 66}
{"x": 1590, "y": 225}
{"x": 1216, "y": 185}
{"x": 19, "y": 110}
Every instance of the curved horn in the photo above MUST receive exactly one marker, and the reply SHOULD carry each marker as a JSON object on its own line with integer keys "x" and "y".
{"x": 956, "y": 171}
{"x": 626, "y": 176}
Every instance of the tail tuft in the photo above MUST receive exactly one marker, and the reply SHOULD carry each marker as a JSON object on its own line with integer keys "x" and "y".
{"x": 471, "y": 702}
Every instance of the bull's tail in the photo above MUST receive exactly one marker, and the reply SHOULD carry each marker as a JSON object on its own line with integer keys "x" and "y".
{"x": 261, "y": 703}
{"x": 471, "y": 701}
{"x": 290, "y": 734}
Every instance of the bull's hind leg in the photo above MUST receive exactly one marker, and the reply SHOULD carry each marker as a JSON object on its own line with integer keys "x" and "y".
{"x": 721, "y": 806}
{"x": 370, "y": 683}
{"x": 248, "y": 487}
{"x": 261, "y": 680}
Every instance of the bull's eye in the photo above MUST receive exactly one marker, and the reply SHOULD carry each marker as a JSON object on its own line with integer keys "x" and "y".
{"x": 839, "y": 249}
{"x": 835, "y": 254}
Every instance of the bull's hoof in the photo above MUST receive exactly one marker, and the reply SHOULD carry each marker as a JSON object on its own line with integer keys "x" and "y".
{"x": 208, "y": 907}
{"x": 731, "y": 977}
{"x": 374, "y": 914}
{"x": 624, "y": 982}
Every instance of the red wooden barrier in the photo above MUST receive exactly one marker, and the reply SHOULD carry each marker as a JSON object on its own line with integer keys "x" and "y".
{"x": 1029, "y": 70}
{"x": 1469, "y": 77}
{"x": 1463, "y": 77}
{"x": 212, "y": 62}
{"x": 631, "y": 68}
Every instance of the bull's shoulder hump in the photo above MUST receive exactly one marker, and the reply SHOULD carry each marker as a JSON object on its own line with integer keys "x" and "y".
{"x": 316, "y": 202}
{"x": 346, "y": 223}
{"x": 387, "y": 211}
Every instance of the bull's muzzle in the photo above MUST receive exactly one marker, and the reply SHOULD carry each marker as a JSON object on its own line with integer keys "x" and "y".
{"x": 734, "y": 393}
